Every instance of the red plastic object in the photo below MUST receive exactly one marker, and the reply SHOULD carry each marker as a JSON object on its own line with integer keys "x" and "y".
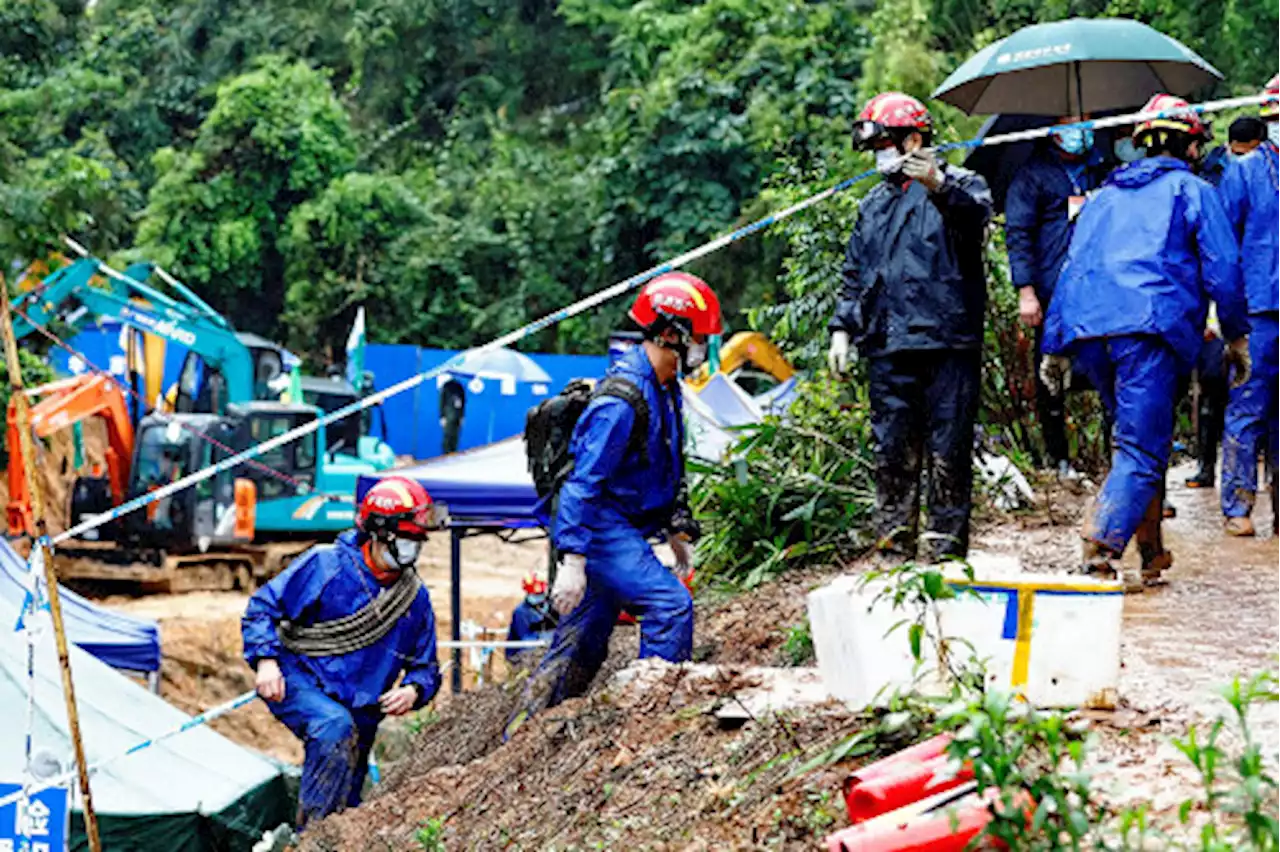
{"x": 947, "y": 829}
{"x": 628, "y": 618}
{"x": 901, "y": 784}
{"x": 918, "y": 753}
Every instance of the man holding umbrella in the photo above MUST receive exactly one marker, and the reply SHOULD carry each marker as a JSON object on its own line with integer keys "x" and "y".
{"x": 913, "y": 299}
{"x": 1044, "y": 198}
{"x": 1150, "y": 250}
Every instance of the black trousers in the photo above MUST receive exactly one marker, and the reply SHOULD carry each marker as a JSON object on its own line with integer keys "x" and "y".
{"x": 1051, "y": 411}
{"x": 923, "y": 407}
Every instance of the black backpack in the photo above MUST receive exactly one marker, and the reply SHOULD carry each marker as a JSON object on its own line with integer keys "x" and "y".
{"x": 548, "y": 428}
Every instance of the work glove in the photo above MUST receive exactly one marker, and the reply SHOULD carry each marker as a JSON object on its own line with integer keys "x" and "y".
{"x": 922, "y": 165}
{"x": 682, "y": 548}
{"x": 838, "y": 354}
{"x": 1236, "y": 354}
{"x": 570, "y": 584}
{"x": 1055, "y": 372}
{"x": 1029, "y": 309}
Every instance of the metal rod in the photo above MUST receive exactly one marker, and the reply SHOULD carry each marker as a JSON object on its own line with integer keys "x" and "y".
{"x": 454, "y": 644}
{"x": 36, "y": 491}
{"x": 455, "y": 605}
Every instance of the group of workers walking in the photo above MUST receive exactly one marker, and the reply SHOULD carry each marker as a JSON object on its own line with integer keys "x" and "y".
{"x": 1114, "y": 271}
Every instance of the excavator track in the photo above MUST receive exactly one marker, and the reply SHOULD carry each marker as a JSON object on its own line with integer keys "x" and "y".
{"x": 100, "y": 568}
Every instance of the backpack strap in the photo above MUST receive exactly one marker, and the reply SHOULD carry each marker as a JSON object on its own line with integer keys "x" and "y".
{"x": 629, "y": 392}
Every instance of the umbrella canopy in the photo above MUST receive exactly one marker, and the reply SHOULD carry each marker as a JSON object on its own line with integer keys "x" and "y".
{"x": 1076, "y": 66}
{"x": 501, "y": 364}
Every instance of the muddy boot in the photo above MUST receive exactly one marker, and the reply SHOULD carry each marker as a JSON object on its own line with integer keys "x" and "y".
{"x": 1240, "y": 527}
{"x": 1168, "y": 510}
{"x": 1153, "y": 567}
{"x": 1203, "y": 479}
{"x": 1098, "y": 561}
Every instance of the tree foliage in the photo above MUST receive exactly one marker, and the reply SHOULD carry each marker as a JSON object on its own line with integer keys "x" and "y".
{"x": 460, "y": 167}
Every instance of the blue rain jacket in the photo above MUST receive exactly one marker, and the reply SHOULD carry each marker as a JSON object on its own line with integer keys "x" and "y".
{"x": 609, "y": 486}
{"x": 1251, "y": 192}
{"x": 913, "y": 270}
{"x": 1149, "y": 250}
{"x": 329, "y": 582}
{"x": 532, "y": 619}
{"x": 1037, "y": 228}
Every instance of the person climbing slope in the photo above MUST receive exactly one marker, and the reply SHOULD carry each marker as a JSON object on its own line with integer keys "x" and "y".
{"x": 330, "y": 636}
{"x": 625, "y": 487}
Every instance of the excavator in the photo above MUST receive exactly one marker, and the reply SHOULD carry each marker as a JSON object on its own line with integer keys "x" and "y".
{"x": 749, "y": 358}
{"x": 233, "y": 530}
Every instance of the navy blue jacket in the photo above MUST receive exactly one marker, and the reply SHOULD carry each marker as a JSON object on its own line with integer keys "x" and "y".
{"x": 913, "y": 270}
{"x": 1037, "y": 229}
{"x": 610, "y": 485}
{"x": 329, "y": 582}
{"x": 1251, "y": 194}
{"x": 1150, "y": 250}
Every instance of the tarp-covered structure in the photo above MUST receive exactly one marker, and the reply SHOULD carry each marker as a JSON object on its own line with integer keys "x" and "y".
{"x": 196, "y": 792}
{"x": 118, "y": 640}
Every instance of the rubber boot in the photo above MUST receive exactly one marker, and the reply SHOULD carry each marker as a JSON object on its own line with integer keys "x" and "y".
{"x": 1204, "y": 478}
{"x": 1241, "y": 527}
{"x": 1155, "y": 559}
{"x": 1097, "y": 560}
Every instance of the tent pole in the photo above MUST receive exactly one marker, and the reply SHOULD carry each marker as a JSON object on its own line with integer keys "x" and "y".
{"x": 34, "y": 486}
{"x": 455, "y": 602}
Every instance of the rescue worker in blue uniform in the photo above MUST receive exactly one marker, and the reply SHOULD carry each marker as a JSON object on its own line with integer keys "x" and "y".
{"x": 912, "y": 303}
{"x": 1150, "y": 250}
{"x": 1249, "y": 191}
{"x": 1245, "y": 134}
{"x": 532, "y": 619}
{"x": 330, "y": 636}
{"x": 624, "y": 489}
{"x": 1044, "y": 198}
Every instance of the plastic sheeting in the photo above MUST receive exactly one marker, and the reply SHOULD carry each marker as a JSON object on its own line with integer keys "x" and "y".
{"x": 196, "y": 791}
{"x": 118, "y": 640}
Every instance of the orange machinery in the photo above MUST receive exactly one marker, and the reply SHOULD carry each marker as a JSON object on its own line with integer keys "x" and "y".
{"x": 64, "y": 404}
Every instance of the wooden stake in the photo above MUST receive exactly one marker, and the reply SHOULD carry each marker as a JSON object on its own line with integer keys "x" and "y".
{"x": 50, "y": 574}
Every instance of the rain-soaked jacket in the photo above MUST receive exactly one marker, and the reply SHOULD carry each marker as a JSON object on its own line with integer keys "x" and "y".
{"x": 913, "y": 271}
{"x": 1149, "y": 250}
{"x": 1037, "y": 222}
{"x": 611, "y": 485}
{"x": 329, "y": 582}
{"x": 1251, "y": 193}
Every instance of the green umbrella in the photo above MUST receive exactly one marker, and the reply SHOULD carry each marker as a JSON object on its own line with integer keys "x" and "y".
{"x": 1082, "y": 65}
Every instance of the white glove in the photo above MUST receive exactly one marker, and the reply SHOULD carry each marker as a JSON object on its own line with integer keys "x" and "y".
{"x": 922, "y": 165}
{"x": 570, "y": 584}
{"x": 1055, "y": 372}
{"x": 838, "y": 354}
{"x": 682, "y": 548}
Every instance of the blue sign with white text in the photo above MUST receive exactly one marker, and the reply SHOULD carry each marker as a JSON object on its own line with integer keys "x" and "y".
{"x": 40, "y": 827}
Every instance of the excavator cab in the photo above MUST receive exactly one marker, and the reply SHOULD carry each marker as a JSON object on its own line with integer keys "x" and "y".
{"x": 257, "y": 422}
{"x": 203, "y": 389}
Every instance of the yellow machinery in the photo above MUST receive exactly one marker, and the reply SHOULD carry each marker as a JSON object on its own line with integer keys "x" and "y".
{"x": 743, "y": 349}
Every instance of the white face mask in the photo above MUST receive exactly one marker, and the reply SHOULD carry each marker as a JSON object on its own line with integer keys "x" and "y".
{"x": 887, "y": 160}
{"x": 695, "y": 356}
{"x": 401, "y": 553}
{"x": 1273, "y": 132}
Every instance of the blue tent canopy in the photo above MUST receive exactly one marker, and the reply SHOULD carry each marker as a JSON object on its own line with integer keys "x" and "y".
{"x": 118, "y": 640}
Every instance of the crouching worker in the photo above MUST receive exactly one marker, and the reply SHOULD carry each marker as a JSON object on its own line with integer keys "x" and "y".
{"x": 624, "y": 486}
{"x": 332, "y": 634}
{"x": 1149, "y": 252}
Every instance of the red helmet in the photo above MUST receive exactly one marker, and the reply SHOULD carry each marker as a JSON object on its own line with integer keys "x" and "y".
{"x": 678, "y": 300}
{"x": 1185, "y": 121}
{"x": 889, "y": 111}
{"x": 1271, "y": 108}
{"x": 534, "y": 584}
{"x": 397, "y": 507}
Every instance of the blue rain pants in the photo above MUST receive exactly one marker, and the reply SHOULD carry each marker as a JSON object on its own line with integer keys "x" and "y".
{"x": 336, "y": 741}
{"x": 623, "y": 573}
{"x": 1251, "y": 421}
{"x": 1137, "y": 378}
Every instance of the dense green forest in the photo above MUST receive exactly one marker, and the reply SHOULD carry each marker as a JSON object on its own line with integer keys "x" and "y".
{"x": 460, "y": 167}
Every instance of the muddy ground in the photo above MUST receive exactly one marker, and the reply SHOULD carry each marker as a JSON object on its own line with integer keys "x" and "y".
{"x": 650, "y": 767}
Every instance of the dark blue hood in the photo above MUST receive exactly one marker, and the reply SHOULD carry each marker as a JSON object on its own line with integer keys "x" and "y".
{"x": 1144, "y": 171}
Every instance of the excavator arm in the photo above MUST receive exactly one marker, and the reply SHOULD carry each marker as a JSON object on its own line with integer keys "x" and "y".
{"x": 65, "y": 404}
{"x": 747, "y": 347}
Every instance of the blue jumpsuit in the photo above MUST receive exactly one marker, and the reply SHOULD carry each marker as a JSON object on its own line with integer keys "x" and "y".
{"x": 609, "y": 507}
{"x": 532, "y": 619}
{"x": 1149, "y": 251}
{"x": 331, "y": 702}
{"x": 1249, "y": 190}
